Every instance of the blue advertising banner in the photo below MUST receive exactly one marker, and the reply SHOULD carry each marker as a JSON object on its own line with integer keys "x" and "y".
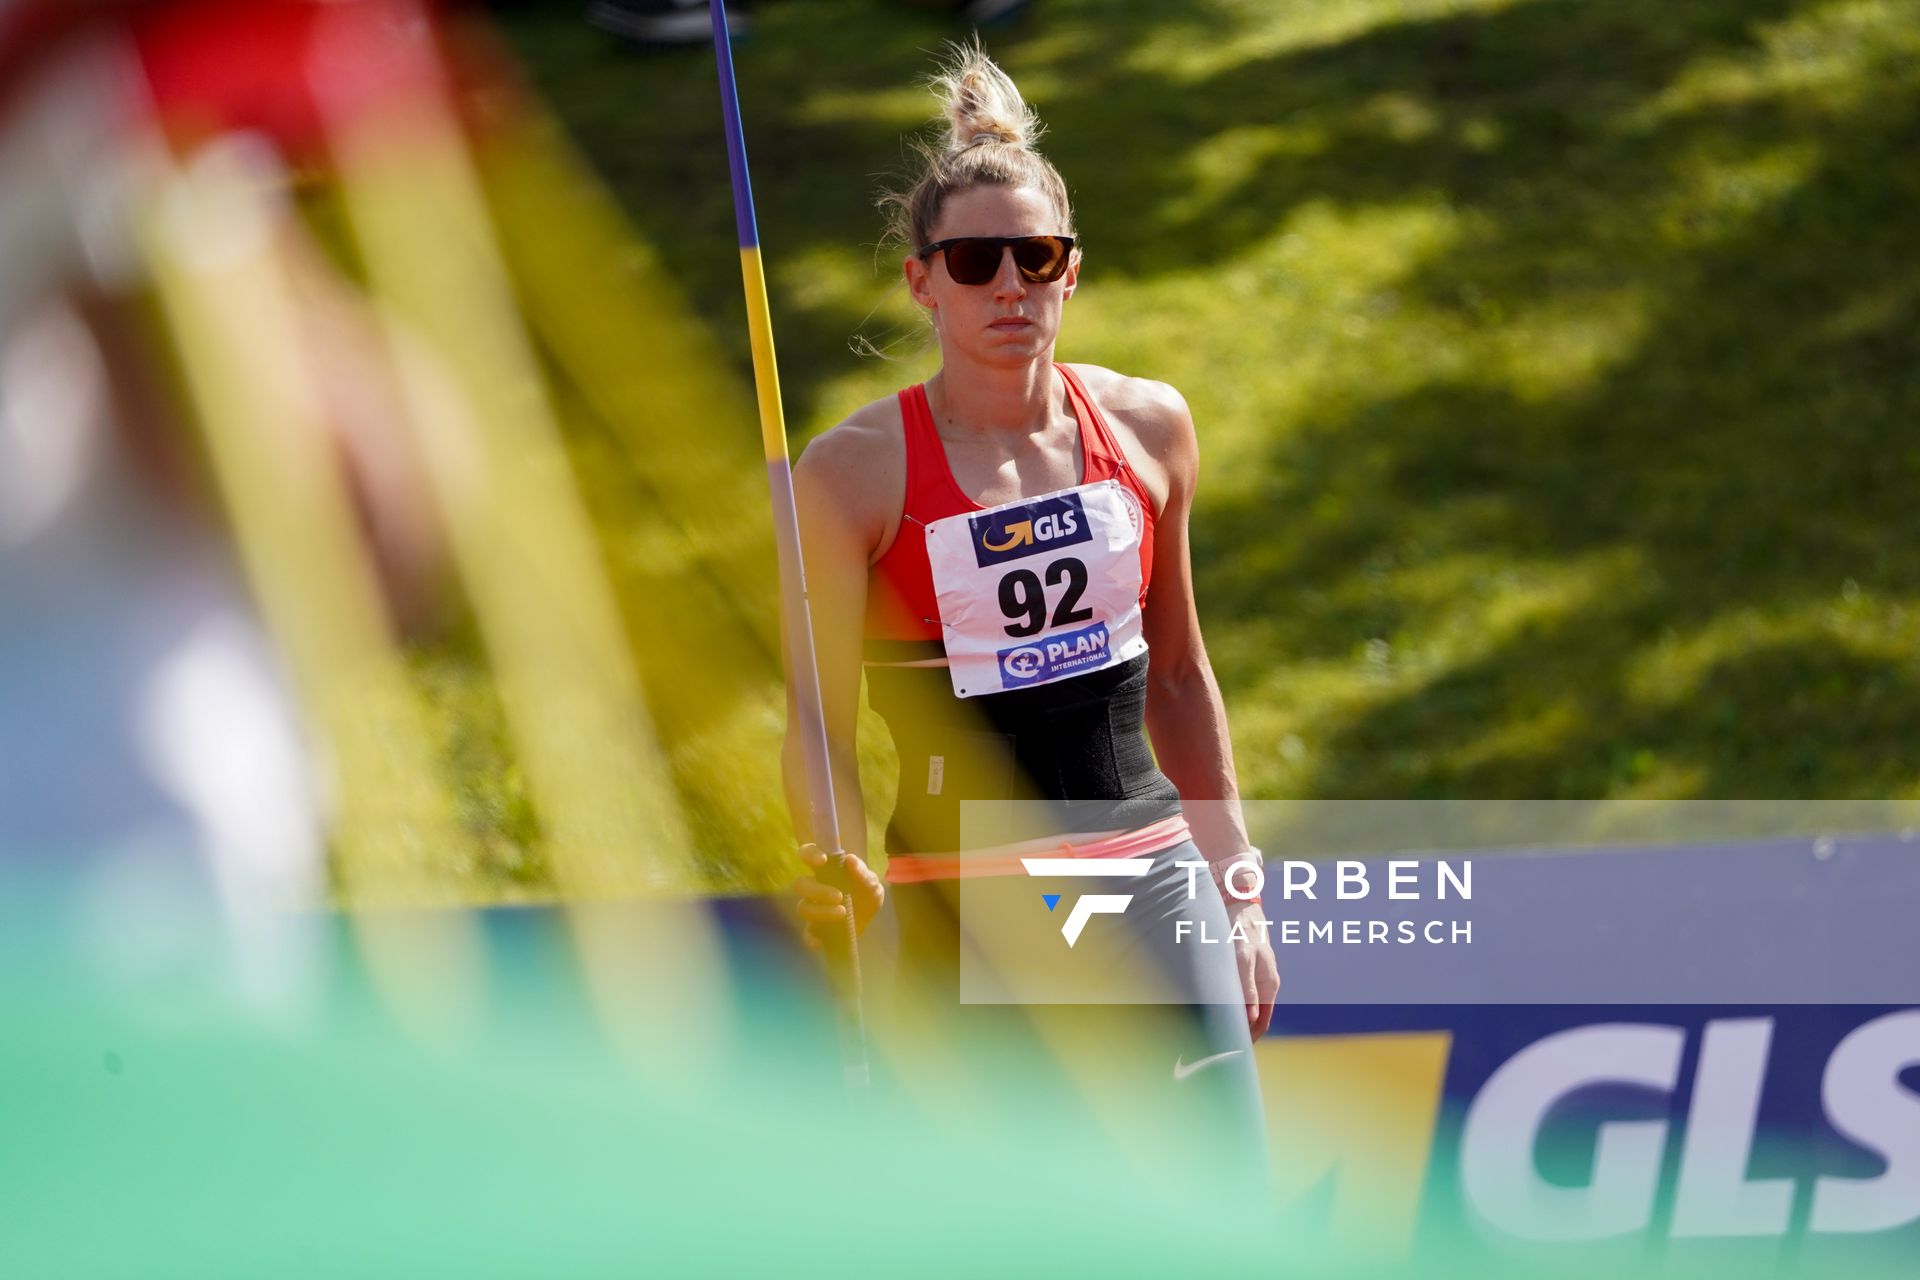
{"x": 1784, "y": 1133}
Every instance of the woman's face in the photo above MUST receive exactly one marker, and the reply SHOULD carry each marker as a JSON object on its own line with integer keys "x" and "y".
{"x": 1008, "y": 320}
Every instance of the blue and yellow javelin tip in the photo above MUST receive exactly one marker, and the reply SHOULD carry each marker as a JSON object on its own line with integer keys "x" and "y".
{"x": 773, "y": 427}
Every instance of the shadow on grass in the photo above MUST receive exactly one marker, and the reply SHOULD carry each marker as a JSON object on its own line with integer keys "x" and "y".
{"x": 1749, "y": 460}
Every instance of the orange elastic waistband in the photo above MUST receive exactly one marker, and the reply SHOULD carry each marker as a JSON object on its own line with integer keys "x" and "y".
{"x": 1004, "y": 860}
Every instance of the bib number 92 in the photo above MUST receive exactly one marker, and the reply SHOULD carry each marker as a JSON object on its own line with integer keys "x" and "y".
{"x": 1024, "y": 599}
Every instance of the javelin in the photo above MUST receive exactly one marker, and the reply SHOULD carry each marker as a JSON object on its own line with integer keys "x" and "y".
{"x": 842, "y": 952}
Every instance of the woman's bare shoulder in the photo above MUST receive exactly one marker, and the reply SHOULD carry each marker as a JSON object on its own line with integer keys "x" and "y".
{"x": 869, "y": 437}
{"x": 861, "y": 464}
{"x": 1153, "y": 415}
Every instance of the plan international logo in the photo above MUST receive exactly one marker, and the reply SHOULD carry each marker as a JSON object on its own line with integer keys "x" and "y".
{"x": 1057, "y": 656}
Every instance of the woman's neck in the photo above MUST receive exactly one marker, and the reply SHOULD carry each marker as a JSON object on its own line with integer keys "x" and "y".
{"x": 995, "y": 400}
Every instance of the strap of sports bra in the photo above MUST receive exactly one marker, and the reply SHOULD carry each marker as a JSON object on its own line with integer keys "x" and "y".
{"x": 928, "y": 471}
{"x": 917, "y": 420}
{"x": 1095, "y": 423}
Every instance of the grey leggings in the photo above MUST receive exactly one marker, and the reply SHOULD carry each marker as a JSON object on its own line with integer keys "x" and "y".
{"x": 1182, "y": 1052}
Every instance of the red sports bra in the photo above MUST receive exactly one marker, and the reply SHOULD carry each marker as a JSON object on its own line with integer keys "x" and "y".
{"x": 900, "y": 599}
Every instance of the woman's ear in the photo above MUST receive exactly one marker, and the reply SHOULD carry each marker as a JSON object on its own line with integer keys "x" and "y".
{"x": 1073, "y": 273}
{"x": 919, "y": 280}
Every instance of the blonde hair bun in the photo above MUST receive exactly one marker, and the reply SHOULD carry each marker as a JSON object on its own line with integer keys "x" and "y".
{"x": 989, "y": 142}
{"x": 980, "y": 101}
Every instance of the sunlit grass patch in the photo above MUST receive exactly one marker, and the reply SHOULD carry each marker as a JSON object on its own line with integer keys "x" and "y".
{"x": 1824, "y": 56}
{"x": 1246, "y": 30}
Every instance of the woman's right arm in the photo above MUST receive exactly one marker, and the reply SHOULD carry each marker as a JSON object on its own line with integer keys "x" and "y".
{"x": 840, "y": 492}
{"x": 835, "y": 551}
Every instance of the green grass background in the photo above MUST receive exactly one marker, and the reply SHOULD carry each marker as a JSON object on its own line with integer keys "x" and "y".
{"x": 1554, "y": 363}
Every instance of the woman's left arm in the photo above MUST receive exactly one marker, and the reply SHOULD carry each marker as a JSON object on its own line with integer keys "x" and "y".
{"x": 1186, "y": 718}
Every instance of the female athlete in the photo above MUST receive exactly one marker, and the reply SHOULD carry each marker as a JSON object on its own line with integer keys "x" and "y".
{"x": 1003, "y": 549}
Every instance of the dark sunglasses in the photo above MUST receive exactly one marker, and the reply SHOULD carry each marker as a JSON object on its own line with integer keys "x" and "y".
{"x": 976, "y": 259}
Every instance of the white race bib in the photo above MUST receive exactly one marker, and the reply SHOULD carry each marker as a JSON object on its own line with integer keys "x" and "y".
{"x": 1039, "y": 590}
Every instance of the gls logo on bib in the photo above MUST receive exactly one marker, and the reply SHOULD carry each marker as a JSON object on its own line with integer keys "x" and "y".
{"x": 1028, "y": 529}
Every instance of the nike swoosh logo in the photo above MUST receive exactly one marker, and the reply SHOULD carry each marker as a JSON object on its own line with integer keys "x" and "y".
{"x": 1181, "y": 1070}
